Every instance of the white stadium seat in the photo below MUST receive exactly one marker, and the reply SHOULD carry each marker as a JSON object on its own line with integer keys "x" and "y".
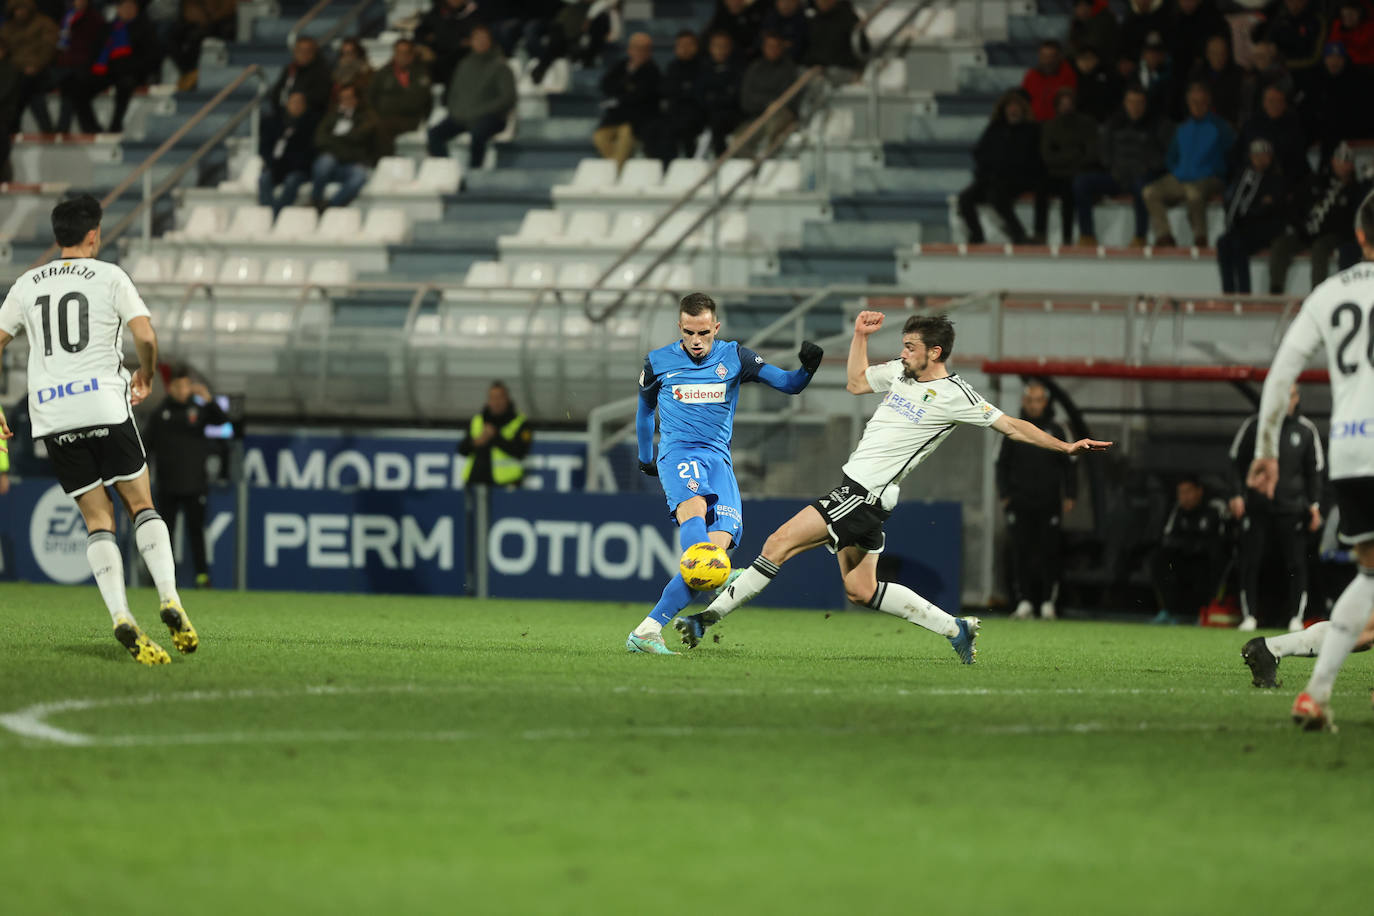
{"x": 249, "y": 224}
{"x": 148, "y": 268}
{"x": 385, "y": 224}
{"x": 730, "y": 173}
{"x": 631, "y": 225}
{"x": 197, "y": 268}
{"x": 640, "y": 175}
{"x": 439, "y": 175}
{"x": 734, "y": 229}
{"x": 677, "y": 224}
{"x": 586, "y": 227}
{"x": 339, "y": 224}
{"x": 578, "y": 276}
{"x": 205, "y": 223}
{"x": 331, "y": 272}
{"x": 487, "y": 273}
{"x": 677, "y": 277}
{"x": 683, "y": 173}
{"x": 247, "y": 178}
{"x": 540, "y": 226}
{"x": 780, "y": 176}
{"x": 284, "y": 270}
{"x": 240, "y": 270}
{"x": 531, "y": 275}
{"x": 295, "y": 224}
{"x": 594, "y": 175}
{"x": 390, "y": 173}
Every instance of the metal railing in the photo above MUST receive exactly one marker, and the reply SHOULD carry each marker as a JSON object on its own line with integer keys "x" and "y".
{"x": 310, "y": 16}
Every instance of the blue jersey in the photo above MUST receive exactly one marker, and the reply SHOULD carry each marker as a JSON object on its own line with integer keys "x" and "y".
{"x": 696, "y": 400}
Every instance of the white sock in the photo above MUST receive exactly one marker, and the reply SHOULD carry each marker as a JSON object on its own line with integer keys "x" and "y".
{"x": 900, "y": 601}
{"x": 750, "y": 582}
{"x": 155, "y": 543}
{"x": 1304, "y": 643}
{"x": 650, "y": 627}
{"x": 1348, "y": 619}
{"x": 108, "y": 566}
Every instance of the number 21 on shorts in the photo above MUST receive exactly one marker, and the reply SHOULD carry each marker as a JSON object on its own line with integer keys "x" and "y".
{"x": 683, "y": 467}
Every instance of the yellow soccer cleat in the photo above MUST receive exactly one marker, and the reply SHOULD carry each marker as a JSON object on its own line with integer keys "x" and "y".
{"x": 143, "y": 649}
{"x": 183, "y": 634}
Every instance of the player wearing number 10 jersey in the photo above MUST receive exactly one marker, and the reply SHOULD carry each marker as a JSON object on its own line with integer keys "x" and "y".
{"x": 74, "y": 311}
{"x": 693, "y": 384}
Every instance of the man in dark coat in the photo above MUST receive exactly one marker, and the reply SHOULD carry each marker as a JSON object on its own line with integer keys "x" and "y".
{"x": 400, "y": 95}
{"x": 1278, "y": 123}
{"x": 307, "y": 73}
{"x": 681, "y": 116}
{"x": 1338, "y": 108}
{"x": 1068, "y": 148}
{"x": 1132, "y": 147}
{"x": 629, "y": 100}
{"x": 346, "y": 149}
{"x": 1322, "y": 219}
{"x": 127, "y": 60}
{"x": 742, "y": 21}
{"x": 446, "y": 30}
{"x": 719, "y": 88}
{"x": 1099, "y": 89}
{"x": 1255, "y": 203}
{"x": 1006, "y": 163}
{"x": 287, "y": 147}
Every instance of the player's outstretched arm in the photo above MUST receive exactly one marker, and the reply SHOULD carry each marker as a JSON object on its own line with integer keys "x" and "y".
{"x": 1022, "y": 431}
{"x": 644, "y": 420}
{"x": 856, "y": 370}
{"x": 145, "y": 344}
{"x": 794, "y": 382}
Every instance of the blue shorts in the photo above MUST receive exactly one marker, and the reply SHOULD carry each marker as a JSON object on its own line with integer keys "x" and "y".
{"x": 706, "y": 474}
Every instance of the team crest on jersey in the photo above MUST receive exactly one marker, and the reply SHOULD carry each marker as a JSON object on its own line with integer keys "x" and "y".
{"x": 1295, "y": 438}
{"x": 929, "y": 396}
{"x": 691, "y": 484}
{"x": 721, "y": 371}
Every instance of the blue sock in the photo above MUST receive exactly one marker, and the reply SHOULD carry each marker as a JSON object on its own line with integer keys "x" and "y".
{"x": 693, "y": 531}
{"x": 676, "y": 596}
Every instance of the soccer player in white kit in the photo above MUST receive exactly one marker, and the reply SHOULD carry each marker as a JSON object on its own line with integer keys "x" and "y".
{"x": 922, "y": 404}
{"x": 1338, "y": 315}
{"x": 74, "y": 311}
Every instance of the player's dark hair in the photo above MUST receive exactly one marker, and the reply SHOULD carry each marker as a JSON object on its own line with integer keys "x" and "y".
{"x": 935, "y": 331}
{"x": 697, "y": 304}
{"x": 72, "y": 219}
{"x": 1364, "y": 219}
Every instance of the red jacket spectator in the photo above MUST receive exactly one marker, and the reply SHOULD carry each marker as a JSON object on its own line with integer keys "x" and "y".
{"x": 1043, "y": 81}
{"x": 1355, "y": 29}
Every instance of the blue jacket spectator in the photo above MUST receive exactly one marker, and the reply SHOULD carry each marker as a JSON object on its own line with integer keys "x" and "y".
{"x": 1196, "y": 164}
{"x": 1199, "y": 149}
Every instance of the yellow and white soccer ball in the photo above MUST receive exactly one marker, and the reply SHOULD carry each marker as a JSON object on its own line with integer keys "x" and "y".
{"x": 705, "y": 566}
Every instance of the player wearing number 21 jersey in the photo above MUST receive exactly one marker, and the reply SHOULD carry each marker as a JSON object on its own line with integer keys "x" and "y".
{"x": 922, "y": 403}
{"x": 693, "y": 385}
{"x": 74, "y": 311}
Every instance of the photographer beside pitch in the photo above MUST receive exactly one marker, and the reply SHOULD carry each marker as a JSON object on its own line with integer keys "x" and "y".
{"x": 922, "y": 404}
{"x": 74, "y": 310}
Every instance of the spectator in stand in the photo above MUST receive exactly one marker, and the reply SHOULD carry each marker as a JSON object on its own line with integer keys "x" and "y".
{"x": 579, "y": 32}
{"x": 831, "y": 41}
{"x": 1354, "y": 29}
{"x": 345, "y": 146}
{"x": 1223, "y": 78}
{"x": 1043, "y": 81}
{"x": 1006, "y": 164}
{"x": 1281, "y": 126}
{"x": 1190, "y": 24}
{"x": 788, "y": 19}
{"x": 32, "y": 41}
{"x": 307, "y": 73}
{"x": 9, "y": 105}
{"x": 719, "y": 90}
{"x": 1254, "y": 216}
{"x": 199, "y": 20}
{"x": 1095, "y": 27}
{"x": 764, "y": 81}
{"x": 1156, "y": 77}
{"x": 1132, "y": 147}
{"x": 446, "y": 30}
{"x": 480, "y": 99}
{"x": 127, "y": 60}
{"x": 1338, "y": 106}
{"x": 1068, "y": 148}
{"x": 1266, "y": 69}
{"x": 79, "y": 39}
{"x": 287, "y": 147}
{"x": 351, "y": 68}
{"x": 1196, "y": 164}
{"x": 1298, "y": 30}
{"x": 399, "y": 95}
{"x": 1099, "y": 89}
{"x": 630, "y": 93}
{"x": 517, "y": 19}
{"x": 1142, "y": 18}
{"x": 1192, "y": 553}
{"x": 681, "y": 118}
{"x": 742, "y": 21}
{"x": 1322, "y": 220}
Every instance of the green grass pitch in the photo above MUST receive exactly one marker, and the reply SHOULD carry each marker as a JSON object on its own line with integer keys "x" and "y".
{"x": 345, "y": 754}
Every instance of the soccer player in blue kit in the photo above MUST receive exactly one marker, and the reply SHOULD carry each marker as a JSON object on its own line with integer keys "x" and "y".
{"x": 693, "y": 384}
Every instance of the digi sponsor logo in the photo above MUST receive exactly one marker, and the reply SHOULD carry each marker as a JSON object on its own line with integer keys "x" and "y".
{"x": 69, "y": 390}
{"x": 1353, "y": 429}
{"x": 699, "y": 394}
{"x": 58, "y": 538}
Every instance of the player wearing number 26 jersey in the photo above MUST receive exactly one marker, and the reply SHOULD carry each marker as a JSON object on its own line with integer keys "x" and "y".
{"x": 74, "y": 311}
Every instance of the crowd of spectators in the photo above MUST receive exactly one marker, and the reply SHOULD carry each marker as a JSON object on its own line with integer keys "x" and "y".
{"x": 1190, "y": 102}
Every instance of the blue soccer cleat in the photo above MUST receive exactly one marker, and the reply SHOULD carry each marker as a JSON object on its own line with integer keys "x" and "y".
{"x": 648, "y": 645}
{"x": 965, "y": 644}
{"x": 692, "y": 628}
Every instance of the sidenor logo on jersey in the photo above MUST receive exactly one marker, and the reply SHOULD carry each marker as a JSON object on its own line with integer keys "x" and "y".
{"x": 69, "y": 390}
{"x": 699, "y": 394}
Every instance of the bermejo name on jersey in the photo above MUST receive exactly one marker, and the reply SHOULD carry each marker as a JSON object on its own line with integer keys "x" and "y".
{"x": 74, "y": 311}
{"x": 1338, "y": 313}
{"x": 910, "y": 423}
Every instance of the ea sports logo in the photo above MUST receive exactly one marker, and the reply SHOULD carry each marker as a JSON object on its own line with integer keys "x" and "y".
{"x": 58, "y": 538}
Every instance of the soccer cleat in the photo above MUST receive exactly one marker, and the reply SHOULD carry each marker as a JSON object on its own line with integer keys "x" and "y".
{"x": 1264, "y": 665}
{"x": 1024, "y": 611}
{"x": 183, "y": 634}
{"x": 143, "y": 649}
{"x": 1047, "y": 611}
{"x": 1311, "y": 715}
{"x": 1296, "y": 625}
{"x": 734, "y": 574}
{"x": 965, "y": 643}
{"x": 1248, "y": 624}
{"x": 648, "y": 645}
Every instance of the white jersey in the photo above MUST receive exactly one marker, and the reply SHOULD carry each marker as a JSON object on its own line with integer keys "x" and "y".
{"x": 74, "y": 311}
{"x": 1339, "y": 314}
{"x": 910, "y": 423}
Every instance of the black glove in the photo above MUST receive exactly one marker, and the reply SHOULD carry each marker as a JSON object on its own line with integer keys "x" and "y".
{"x": 648, "y": 467}
{"x": 810, "y": 356}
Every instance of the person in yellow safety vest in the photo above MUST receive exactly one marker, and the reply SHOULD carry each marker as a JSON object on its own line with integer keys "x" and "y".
{"x": 497, "y": 442}
{"x": 4, "y": 454}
